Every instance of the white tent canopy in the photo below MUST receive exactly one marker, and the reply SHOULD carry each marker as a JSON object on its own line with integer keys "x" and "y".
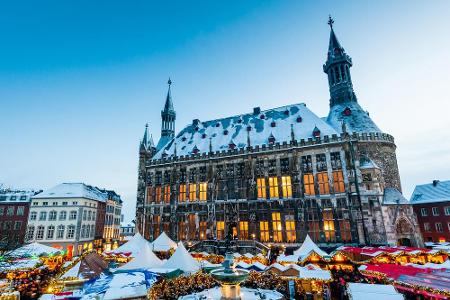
{"x": 133, "y": 246}
{"x": 163, "y": 243}
{"x": 144, "y": 260}
{"x": 364, "y": 291}
{"x": 182, "y": 260}
{"x": 34, "y": 249}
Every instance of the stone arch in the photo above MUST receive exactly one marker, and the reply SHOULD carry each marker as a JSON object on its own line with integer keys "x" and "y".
{"x": 404, "y": 230}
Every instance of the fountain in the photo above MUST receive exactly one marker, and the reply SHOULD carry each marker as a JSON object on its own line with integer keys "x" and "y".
{"x": 230, "y": 278}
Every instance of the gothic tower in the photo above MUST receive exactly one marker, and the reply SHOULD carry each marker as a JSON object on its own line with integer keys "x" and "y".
{"x": 345, "y": 112}
{"x": 168, "y": 117}
{"x": 146, "y": 150}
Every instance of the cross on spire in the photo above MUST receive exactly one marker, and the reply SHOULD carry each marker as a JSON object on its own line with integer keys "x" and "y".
{"x": 330, "y": 21}
{"x": 169, "y": 82}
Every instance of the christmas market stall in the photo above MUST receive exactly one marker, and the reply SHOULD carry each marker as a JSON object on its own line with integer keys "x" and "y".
{"x": 182, "y": 260}
{"x": 392, "y": 254}
{"x": 128, "y": 250}
{"x": 308, "y": 252}
{"x": 144, "y": 260}
{"x": 163, "y": 243}
{"x": 412, "y": 280}
{"x": 88, "y": 267}
{"x": 31, "y": 268}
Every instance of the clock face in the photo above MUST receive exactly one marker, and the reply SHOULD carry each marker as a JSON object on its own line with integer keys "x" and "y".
{"x": 367, "y": 177}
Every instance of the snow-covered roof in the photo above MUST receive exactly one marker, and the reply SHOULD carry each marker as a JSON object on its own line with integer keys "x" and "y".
{"x": 20, "y": 264}
{"x": 429, "y": 265}
{"x": 393, "y": 196}
{"x": 34, "y": 249}
{"x": 307, "y": 248}
{"x": 72, "y": 272}
{"x": 144, "y": 260}
{"x": 16, "y": 196}
{"x": 181, "y": 259}
{"x": 133, "y": 246}
{"x": 439, "y": 191}
{"x": 235, "y": 131}
{"x": 365, "y": 291}
{"x": 163, "y": 243}
{"x": 73, "y": 190}
{"x": 353, "y": 116}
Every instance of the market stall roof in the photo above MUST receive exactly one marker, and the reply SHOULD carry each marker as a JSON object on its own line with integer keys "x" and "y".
{"x": 307, "y": 248}
{"x": 181, "y": 259}
{"x": 132, "y": 247}
{"x": 364, "y": 291}
{"x": 437, "y": 280}
{"x": 19, "y": 264}
{"x": 391, "y": 270}
{"x": 88, "y": 267}
{"x": 429, "y": 265}
{"x": 390, "y": 250}
{"x": 163, "y": 243}
{"x": 34, "y": 249}
{"x": 144, "y": 260}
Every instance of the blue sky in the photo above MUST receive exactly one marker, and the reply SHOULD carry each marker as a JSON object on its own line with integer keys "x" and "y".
{"x": 79, "y": 79}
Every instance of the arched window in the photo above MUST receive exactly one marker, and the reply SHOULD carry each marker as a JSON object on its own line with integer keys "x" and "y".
{"x": 43, "y": 216}
{"x": 52, "y": 215}
{"x": 50, "y": 232}
{"x": 344, "y": 77}
{"x": 62, "y": 215}
{"x": 338, "y": 75}
{"x": 60, "y": 232}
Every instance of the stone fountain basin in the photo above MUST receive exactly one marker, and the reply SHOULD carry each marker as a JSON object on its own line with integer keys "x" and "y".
{"x": 236, "y": 276}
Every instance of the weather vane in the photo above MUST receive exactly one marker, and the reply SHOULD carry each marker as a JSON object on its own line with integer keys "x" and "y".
{"x": 330, "y": 21}
{"x": 169, "y": 82}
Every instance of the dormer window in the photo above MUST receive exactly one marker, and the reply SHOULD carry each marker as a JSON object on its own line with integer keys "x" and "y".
{"x": 217, "y": 124}
{"x": 239, "y": 121}
{"x": 232, "y": 145}
{"x": 347, "y": 111}
{"x": 249, "y": 128}
{"x": 262, "y": 117}
{"x": 273, "y": 124}
{"x": 203, "y": 135}
{"x": 286, "y": 112}
{"x": 195, "y": 150}
{"x": 316, "y": 132}
{"x": 225, "y": 132}
{"x": 183, "y": 139}
{"x": 271, "y": 139}
{"x": 299, "y": 119}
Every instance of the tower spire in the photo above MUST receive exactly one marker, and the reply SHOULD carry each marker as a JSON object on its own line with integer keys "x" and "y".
{"x": 337, "y": 67}
{"x": 168, "y": 117}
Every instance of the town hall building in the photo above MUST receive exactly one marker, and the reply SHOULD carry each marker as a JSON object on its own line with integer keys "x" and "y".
{"x": 278, "y": 174}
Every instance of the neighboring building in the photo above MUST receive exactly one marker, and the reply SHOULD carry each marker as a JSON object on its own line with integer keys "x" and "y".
{"x": 66, "y": 215}
{"x": 275, "y": 175}
{"x": 127, "y": 231}
{"x": 14, "y": 208}
{"x": 431, "y": 204}
{"x": 111, "y": 232}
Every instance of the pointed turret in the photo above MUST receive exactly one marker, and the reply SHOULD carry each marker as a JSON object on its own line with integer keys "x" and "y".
{"x": 344, "y": 107}
{"x": 168, "y": 117}
{"x": 147, "y": 141}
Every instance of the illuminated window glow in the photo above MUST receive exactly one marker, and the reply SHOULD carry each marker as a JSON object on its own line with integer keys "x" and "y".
{"x": 273, "y": 188}
{"x": 286, "y": 186}
{"x": 261, "y": 183}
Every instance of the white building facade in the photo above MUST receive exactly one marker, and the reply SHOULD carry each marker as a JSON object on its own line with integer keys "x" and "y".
{"x": 65, "y": 217}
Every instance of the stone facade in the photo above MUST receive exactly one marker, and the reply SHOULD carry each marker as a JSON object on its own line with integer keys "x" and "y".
{"x": 327, "y": 178}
